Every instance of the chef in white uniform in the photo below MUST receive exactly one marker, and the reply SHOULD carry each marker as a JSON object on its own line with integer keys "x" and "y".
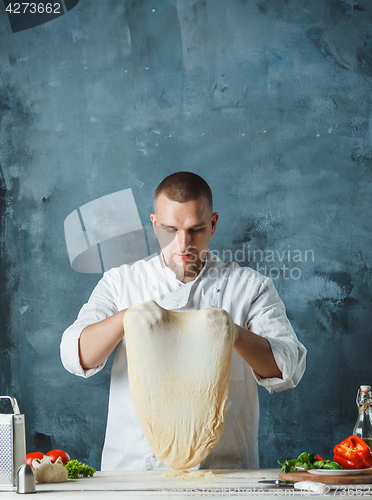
{"x": 186, "y": 276}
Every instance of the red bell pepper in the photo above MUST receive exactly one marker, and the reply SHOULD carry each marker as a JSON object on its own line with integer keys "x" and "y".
{"x": 353, "y": 453}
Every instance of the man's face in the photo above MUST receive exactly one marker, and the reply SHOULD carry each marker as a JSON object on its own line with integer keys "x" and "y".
{"x": 184, "y": 231}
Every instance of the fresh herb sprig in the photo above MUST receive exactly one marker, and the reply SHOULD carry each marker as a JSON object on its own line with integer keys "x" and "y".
{"x": 308, "y": 461}
{"x": 76, "y": 469}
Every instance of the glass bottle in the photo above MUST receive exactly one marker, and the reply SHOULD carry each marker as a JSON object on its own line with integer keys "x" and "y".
{"x": 363, "y": 426}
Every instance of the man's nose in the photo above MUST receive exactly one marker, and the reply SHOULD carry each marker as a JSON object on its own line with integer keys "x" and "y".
{"x": 184, "y": 239}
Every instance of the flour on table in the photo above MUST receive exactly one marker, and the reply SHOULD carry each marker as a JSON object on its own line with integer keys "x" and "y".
{"x": 185, "y": 474}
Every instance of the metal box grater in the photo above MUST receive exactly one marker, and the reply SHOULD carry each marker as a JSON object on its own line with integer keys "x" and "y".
{"x": 12, "y": 444}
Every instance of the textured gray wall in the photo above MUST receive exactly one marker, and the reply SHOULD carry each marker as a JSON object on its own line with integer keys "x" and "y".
{"x": 270, "y": 101}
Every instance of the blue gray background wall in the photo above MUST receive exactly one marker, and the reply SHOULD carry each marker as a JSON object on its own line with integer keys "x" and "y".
{"x": 270, "y": 101}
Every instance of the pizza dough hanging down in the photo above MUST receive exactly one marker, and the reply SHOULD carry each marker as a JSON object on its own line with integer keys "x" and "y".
{"x": 179, "y": 371}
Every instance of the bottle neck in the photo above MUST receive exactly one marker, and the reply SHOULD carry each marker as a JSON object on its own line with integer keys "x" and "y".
{"x": 365, "y": 406}
{"x": 364, "y": 397}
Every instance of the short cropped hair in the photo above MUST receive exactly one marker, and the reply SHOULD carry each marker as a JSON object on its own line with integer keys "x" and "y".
{"x": 183, "y": 187}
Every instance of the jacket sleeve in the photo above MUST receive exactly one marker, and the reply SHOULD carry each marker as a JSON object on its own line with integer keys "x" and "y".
{"x": 267, "y": 317}
{"x": 101, "y": 304}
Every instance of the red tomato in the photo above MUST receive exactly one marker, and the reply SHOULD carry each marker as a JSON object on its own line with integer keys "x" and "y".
{"x": 58, "y": 453}
{"x": 31, "y": 456}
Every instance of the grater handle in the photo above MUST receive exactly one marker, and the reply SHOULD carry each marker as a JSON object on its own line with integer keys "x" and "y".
{"x": 14, "y": 404}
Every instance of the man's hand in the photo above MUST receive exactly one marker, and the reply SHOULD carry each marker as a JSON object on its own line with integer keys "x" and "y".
{"x": 256, "y": 351}
{"x": 97, "y": 341}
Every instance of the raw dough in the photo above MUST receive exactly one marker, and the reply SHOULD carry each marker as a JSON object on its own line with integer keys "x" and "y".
{"x": 179, "y": 371}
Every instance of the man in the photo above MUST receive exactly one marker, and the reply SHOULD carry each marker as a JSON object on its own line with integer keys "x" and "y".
{"x": 187, "y": 276}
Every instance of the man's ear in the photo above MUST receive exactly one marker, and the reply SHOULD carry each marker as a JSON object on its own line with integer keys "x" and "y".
{"x": 214, "y": 222}
{"x": 153, "y": 219}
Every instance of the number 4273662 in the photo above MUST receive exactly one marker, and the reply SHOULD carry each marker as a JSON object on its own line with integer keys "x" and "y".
{"x": 33, "y": 8}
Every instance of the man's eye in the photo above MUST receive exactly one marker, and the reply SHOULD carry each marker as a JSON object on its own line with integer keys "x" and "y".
{"x": 170, "y": 230}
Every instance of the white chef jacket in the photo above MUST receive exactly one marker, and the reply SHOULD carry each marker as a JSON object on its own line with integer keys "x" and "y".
{"x": 253, "y": 303}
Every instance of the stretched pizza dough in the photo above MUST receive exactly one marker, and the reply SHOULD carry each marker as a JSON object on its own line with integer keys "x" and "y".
{"x": 179, "y": 371}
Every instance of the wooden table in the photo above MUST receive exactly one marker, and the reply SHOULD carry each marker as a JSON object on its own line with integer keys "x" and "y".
{"x": 153, "y": 484}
